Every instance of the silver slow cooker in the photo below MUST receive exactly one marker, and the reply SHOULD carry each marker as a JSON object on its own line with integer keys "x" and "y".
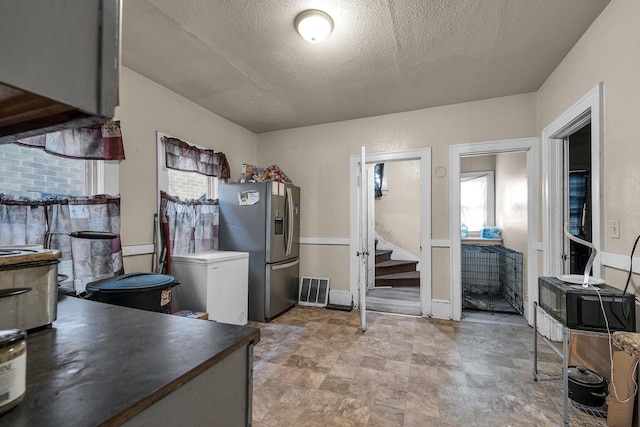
{"x": 28, "y": 288}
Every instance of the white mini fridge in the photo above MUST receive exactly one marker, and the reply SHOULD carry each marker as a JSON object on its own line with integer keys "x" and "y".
{"x": 215, "y": 282}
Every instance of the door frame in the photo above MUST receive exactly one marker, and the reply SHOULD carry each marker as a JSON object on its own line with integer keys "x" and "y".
{"x": 589, "y": 109}
{"x": 456, "y": 152}
{"x": 423, "y": 155}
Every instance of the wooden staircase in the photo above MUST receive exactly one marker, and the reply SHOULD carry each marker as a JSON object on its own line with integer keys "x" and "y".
{"x": 395, "y": 273}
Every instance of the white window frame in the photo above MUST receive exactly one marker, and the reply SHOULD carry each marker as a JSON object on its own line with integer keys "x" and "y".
{"x": 102, "y": 177}
{"x": 491, "y": 201}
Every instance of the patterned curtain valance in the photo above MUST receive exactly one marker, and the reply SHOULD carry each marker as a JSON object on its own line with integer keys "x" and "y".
{"x": 184, "y": 157}
{"x": 98, "y": 142}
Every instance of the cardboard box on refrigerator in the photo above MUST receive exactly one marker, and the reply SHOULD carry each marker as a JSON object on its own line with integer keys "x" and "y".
{"x": 251, "y": 173}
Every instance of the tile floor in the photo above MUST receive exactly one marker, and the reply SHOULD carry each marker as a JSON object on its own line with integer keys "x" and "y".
{"x": 315, "y": 367}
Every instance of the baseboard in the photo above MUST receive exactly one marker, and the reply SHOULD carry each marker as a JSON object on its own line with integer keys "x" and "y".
{"x": 441, "y": 309}
{"x": 339, "y": 241}
{"x": 340, "y": 297}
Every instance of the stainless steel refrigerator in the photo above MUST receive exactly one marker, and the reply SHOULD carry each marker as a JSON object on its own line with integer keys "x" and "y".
{"x": 263, "y": 218}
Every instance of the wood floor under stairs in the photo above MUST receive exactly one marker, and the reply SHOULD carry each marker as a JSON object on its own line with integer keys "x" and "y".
{"x": 395, "y": 273}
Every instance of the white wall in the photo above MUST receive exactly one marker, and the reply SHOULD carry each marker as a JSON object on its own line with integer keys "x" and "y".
{"x": 397, "y": 212}
{"x": 146, "y": 107}
{"x": 317, "y": 159}
{"x": 478, "y": 163}
{"x": 511, "y": 204}
{"x": 608, "y": 52}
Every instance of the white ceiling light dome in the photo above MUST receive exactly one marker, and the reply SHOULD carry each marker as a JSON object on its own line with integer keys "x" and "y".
{"x": 313, "y": 25}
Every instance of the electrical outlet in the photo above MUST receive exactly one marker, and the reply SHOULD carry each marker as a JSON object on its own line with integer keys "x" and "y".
{"x": 615, "y": 228}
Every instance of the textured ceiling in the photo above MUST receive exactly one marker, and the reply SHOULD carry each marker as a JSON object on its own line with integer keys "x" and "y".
{"x": 243, "y": 60}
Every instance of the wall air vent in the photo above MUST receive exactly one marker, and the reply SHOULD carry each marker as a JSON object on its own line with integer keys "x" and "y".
{"x": 314, "y": 291}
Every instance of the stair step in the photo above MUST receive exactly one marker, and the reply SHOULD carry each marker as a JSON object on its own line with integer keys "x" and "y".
{"x": 383, "y": 255}
{"x": 394, "y": 266}
{"x": 411, "y": 278}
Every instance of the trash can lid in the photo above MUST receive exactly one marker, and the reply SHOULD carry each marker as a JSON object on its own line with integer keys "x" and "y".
{"x": 132, "y": 282}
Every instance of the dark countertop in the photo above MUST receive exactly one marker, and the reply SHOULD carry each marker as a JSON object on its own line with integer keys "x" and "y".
{"x": 102, "y": 363}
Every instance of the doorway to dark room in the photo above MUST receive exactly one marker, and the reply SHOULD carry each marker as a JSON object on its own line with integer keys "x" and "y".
{"x": 578, "y": 200}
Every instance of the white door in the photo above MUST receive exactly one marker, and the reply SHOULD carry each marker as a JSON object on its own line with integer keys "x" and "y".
{"x": 363, "y": 238}
{"x": 566, "y": 243}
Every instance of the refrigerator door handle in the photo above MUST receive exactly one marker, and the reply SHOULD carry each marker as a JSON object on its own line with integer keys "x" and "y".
{"x": 289, "y": 220}
{"x": 287, "y": 265}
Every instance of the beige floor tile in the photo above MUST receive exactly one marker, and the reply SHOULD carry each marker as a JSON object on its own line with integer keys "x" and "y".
{"x": 299, "y": 377}
{"x": 271, "y": 389}
{"x": 425, "y": 372}
{"x": 457, "y": 411}
{"x": 423, "y": 387}
{"x": 451, "y": 376}
{"x": 336, "y": 384}
{"x": 421, "y": 404}
{"x": 312, "y": 399}
{"x": 377, "y": 363}
{"x": 314, "y": 367}
{"x": 260, "y": 408}
{"x": 306, "y": 362}
{"x": 393, "y": 381}
{"x": 396, "y": 367}
{"x": 385, "y": 416}
{"x": 355, "y": 409}
{"x": 413, "y": 419}
{"x": 392, "y": 398}
{"x": 319, "y": 419}
{"x": 282, "y": 414}
{"x": 343, "y": 371}
{"x": 351, "y": 358}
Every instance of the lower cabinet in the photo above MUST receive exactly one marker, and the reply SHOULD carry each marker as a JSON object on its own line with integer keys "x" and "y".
{"x": 219, "y": 396}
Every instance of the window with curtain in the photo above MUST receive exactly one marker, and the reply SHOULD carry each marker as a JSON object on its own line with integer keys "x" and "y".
{"x": 477, "y": 205}
{"x": 189, "y": 171}
{"x": 72, "y": 162}
{"x": 187, "y": 181}
{"x": 51, "y": 181}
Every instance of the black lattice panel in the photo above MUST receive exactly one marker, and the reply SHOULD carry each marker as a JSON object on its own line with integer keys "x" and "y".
{"x": 492, "y": 278}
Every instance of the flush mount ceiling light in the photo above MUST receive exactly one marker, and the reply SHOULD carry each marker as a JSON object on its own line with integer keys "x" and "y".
{"x": 313, "y": 25}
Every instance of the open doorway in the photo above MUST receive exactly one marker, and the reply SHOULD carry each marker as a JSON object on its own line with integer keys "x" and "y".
{"x": 578, "y": 206}
{"x": 396, "y": 218}
{"x": 422, "y": 157}
{"x": 494, "y": 228}
{"x": 584, "y": 117}
{"x": 521, "y": 200}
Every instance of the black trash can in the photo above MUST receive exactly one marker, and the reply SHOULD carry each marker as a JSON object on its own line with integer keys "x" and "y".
{"x": 146, "y": 291}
